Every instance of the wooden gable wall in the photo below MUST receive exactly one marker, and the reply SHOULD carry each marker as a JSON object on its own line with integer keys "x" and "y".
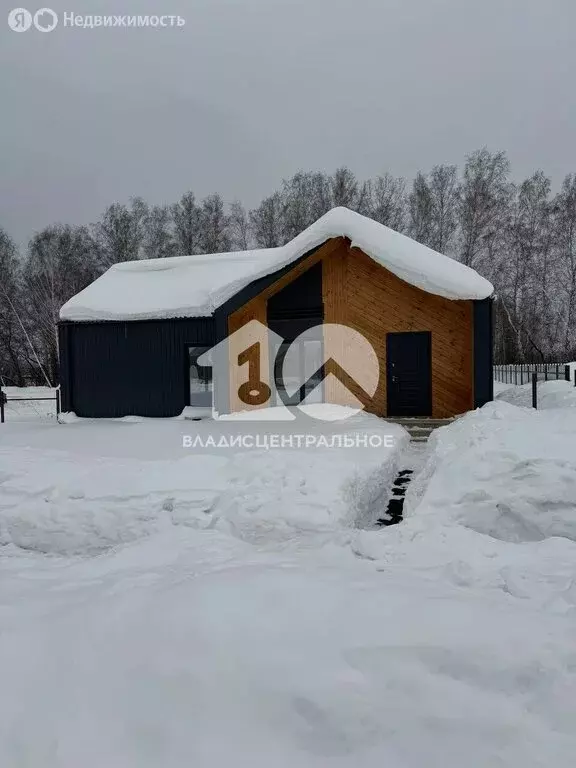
{"x": 363, "y": 295}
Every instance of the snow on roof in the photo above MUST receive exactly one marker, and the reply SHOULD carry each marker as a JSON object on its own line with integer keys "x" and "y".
{"x": 195, "y": 286}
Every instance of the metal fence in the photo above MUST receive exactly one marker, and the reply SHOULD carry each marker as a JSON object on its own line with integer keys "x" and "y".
{"x": 4, "y": 400}
{"x": 522, "y": 373}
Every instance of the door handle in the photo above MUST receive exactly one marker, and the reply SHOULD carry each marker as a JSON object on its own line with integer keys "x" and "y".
{"x": 394, "y": 379}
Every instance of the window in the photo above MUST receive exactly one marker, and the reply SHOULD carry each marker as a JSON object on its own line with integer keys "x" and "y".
{"x": 201, "y": 385}
{"x": 306, "y": 360}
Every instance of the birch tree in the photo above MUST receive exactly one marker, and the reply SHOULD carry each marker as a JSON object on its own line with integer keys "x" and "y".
{"x": 158, "y": 235}
{"x": 186, "y": 220}
{"x": 12, "y": 359}
{"x": 384, "y": 199}
{"x": 344, "y": 188}
{"x": 61, "y": 261}
{"x": 485, "y": 195}
{"x": 121, "y": 232}
{"x": 266, "y": 222}
{"x": 444, "y": 191}
{"x": 239, "y": 224}
{"x": 421, "y": 210}
{"x": 565, "y": 230}
{"x": 214, "y": 233}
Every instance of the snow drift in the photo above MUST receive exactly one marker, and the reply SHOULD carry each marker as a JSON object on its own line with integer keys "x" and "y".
{"x": 73, "y": 503}
{"x": 551, "y": 394}
{"x": 505, "y": 472}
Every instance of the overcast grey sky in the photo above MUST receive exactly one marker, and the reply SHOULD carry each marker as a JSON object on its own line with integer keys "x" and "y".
{"x": 250, "y": 91}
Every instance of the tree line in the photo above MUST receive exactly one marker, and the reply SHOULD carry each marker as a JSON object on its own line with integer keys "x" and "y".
{"x": 521, "y": 236}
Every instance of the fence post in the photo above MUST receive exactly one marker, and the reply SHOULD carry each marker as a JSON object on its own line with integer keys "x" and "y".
{"x": 534, "y": 390}
{"x": 2, "y": 396}
{"x": 575, "y": 377}
{"x": 567, "y": 372}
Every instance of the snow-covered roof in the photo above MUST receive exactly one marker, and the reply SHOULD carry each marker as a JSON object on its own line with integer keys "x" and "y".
{"x": 195, "y": 286}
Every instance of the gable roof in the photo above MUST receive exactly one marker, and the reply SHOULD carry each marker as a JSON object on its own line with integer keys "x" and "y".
{"x": 195, "y": 286}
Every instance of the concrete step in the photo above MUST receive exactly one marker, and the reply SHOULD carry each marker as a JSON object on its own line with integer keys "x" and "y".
{"x": 420, "y": 429}
{"x": 429, "y": 423}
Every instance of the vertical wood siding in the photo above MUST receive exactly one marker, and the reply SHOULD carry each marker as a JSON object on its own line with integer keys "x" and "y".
{"x": 365, "y": 296}
{"x": 378, "y": 302}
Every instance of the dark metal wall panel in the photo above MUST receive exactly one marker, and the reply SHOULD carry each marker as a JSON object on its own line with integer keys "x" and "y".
{"x": 298, "y": 306}
{"x": 291, "y": 328}
{"x": 304, "y": 293}
{"x": 251, "y": 291}
{"x": 483, "y": 355}
{"x": 65, "y": 367}
{"x": 132, "y": 368}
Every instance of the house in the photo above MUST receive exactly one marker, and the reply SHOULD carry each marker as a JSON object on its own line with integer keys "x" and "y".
{"x": 130, "y": 342}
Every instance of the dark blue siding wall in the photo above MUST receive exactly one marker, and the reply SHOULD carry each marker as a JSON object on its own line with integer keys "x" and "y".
{"x": 483, "y": 374}
{"x": 303, "y": 293}
{"x": 124, "y": 369}
{"x": 298, "y": 306}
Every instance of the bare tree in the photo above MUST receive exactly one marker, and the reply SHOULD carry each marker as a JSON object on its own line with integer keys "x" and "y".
{"x": 421, "y": 210}
{"x": 158, "y": 238}
{"x": 384, "y": 200}
{"x": 61, "y": 261}
{"x": 297, "y": 205}
{"x": 120, "y": 233}
{"x": 240, "y": 230}
{"x": 320, "y": 195}
{"x": 565, "y": 230}
{"x": 266, "y": 222}
{"x": 445, "y": 194}
{"x": 484, "y": 200}
{"x": 344, "y": 186}
{"x": 520, "y": 237}
{"x": 12, "y": 359}
{"x": 186, "y": 218}
{"x": 214, "y": 233}
{"x": 525, "y": 277}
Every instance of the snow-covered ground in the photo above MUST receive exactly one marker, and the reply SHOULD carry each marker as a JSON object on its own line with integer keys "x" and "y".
{"x": 550, "y": 394}
{"x": 499, "y": 387}
{"x": 86, "y": 486}
{"x": 223, "y": 607}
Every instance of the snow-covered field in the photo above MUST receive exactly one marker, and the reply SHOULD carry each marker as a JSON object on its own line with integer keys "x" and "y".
{"x": 163, "y": 606}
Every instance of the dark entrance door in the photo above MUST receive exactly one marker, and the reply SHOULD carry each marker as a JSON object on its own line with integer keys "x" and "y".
{"x": 409, "y": 373}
